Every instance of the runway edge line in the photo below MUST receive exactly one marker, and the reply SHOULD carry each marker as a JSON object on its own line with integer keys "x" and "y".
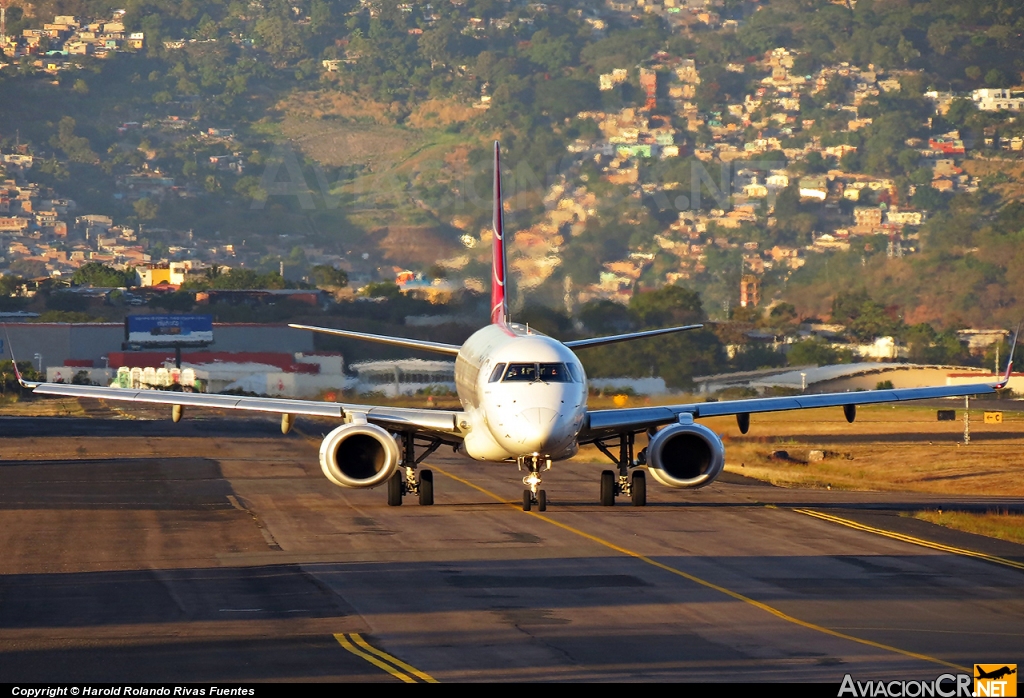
{"x": 709, "y": 585}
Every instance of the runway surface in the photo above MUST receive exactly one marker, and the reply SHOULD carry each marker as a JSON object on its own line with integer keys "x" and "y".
{"x": 214, "y": 550}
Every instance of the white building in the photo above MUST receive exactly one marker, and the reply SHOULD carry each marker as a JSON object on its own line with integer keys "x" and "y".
{"x": 992, "y": 99}
{"x": 403, "y": 377}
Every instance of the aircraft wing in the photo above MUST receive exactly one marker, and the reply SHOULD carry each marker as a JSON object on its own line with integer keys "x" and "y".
{"x": 603, "y": 422}
{"x": 438, "y": 422}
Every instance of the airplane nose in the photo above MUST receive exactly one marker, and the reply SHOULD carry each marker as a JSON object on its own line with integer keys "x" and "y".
{"x": 536, "y": 425}
{"x": 538, "y": 416}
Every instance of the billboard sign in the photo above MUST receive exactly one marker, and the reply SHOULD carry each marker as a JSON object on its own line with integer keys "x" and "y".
{"x": 168, "y": 330}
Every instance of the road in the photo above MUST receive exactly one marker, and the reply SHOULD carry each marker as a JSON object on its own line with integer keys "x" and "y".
{"x": 214, "y": 550}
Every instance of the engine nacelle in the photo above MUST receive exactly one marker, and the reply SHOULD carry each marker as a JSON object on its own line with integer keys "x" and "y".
{"x": 685, "y": 456}
{"x": 359, "y": 455}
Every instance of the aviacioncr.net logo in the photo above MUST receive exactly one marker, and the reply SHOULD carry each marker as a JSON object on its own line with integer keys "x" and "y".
{"x": 995, "y": 680}
{"x": 943, "y": 686}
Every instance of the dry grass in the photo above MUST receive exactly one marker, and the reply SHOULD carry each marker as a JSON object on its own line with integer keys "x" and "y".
{"x": 437, "y": 113}
{"x": 888, "y": 448}
{"x": 901, "y": 448}
{"x": 67, "y": 407}
{"x": 1013, "y": 169}
{"x": 336, "y": 129}
{"x": 1004, "y": 526}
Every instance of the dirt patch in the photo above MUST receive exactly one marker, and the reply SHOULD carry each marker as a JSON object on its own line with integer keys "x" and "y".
{"x": 437, "y": 113}
{"x": 337, "y": 129}
{"x": 339, "y": 144}
{"x": 415, "y": 245}
{"x": 1010, "y": 171}
{"x": 336, "y": 105}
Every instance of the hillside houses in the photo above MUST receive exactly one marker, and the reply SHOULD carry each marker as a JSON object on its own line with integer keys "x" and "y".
{"x": 745, "y": 134}
{"x": 67, "y": 36}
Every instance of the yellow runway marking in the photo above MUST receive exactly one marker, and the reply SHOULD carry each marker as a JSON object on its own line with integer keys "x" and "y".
{"x": 354, "y": 643}
{"x": 423, "y": 676}
{"x": 710, "y": 585}
{"x": 911, "y": 539}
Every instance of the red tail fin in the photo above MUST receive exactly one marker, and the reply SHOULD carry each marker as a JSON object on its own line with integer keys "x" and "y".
{"x": 499, "y": 301}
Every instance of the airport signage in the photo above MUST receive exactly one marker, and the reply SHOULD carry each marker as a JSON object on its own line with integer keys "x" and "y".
{"x": 993, "y": 418}
{"x": 168, "y": 330}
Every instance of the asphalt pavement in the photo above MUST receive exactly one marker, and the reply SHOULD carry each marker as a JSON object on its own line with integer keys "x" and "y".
{"x": 214, "y": 550}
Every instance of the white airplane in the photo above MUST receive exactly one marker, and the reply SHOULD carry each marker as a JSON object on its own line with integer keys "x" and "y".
{"x": 524, "y": 401}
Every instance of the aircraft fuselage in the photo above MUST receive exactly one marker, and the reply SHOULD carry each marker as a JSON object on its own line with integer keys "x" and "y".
{"x": 524, "y": 393}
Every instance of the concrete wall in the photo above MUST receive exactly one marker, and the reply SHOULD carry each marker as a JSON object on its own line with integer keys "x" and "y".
{"x": 58, "y": 342}
{"x": 910, "y": 377}
{"x": 54, "y": 341}
{"x": 292, "y": 385}
{"x": 640, "y": 386}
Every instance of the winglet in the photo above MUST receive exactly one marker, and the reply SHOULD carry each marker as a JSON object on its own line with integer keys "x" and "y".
{"x": 14, "y": 361}
{"x": 1009, "y": 361}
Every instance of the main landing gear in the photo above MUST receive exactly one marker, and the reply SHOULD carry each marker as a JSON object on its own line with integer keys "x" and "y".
{"x": 405, "y": 480}
{"x": 534, "y": 495}
{"x": 633, "y": 485}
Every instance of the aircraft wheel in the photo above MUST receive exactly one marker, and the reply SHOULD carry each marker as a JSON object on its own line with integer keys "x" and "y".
{"x": 395, "y": 490}
{"x": 542, "y": 500}
{"x": 527, "y": 500}
{"x": 639, "y": 485}
{"x": 426, "y": 487}
{"x": 607, "y": 488}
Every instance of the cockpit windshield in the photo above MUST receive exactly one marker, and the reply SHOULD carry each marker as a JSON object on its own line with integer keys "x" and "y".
{"x": 521, "y": 372}
{"x": 554, "y": 373}
{"x": 548, "y": 373}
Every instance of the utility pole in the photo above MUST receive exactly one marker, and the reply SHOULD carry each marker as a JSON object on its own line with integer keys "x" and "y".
{"x": 967, "y": 420}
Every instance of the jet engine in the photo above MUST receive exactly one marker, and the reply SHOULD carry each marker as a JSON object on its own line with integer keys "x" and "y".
{"x": 359, "y": 455}
{"x": 685, "y": 456}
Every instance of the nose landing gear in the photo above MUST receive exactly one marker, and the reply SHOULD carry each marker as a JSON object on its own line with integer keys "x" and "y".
{"x": 534, "y": 495}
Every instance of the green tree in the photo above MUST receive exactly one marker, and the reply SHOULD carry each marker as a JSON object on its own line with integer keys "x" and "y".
{"x": 382, "y": 289}
{"x": 995, "y": 78}
{"x": 815, "y": 352}
{"x": 10, "y": 285}
{"x": 100, "y": 275}
{"x": 319, "y": 16}
{"x": 605, "y": 317}
{"x": 324, "y": 276}
{"x": 960, "y": 110}
{"x": 550, "y": 52}
{"x": 670, "y": 305}
{"x": 146, "y": 209}
{"x": 75, "y": 147}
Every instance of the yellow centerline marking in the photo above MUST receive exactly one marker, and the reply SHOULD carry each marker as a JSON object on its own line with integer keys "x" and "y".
{"x": 358, "y": 639}
{"x": 911, "y": 539}
{"x": 710, "y": 585}
{"x": 347, "y": 641}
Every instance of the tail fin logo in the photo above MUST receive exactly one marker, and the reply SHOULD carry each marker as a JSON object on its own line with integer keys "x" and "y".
{"x": 499, "y": 301}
